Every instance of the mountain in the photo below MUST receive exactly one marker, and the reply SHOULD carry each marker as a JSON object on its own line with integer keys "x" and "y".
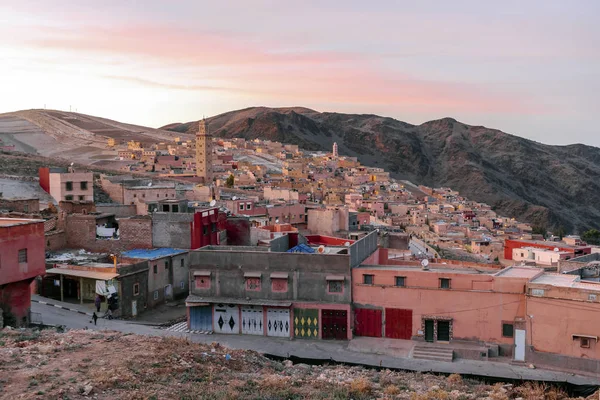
{"x": 553, "y": 186}
{"x": 71, "y": 136}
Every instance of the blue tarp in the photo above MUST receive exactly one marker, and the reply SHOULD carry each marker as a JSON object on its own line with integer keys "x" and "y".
{"x": 150, "y": 254}
{"x": 301, "y": 248}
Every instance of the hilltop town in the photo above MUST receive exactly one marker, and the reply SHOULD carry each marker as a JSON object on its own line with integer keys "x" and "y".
{"x": 271, "y": 240}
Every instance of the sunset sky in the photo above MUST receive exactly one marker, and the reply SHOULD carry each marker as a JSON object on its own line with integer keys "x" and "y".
{"x": 530, "y": 68}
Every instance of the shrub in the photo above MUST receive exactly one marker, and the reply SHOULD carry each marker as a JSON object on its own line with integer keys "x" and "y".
{"x": 391, "y": 390}
{"x": 454, "y": 380}
{"x": 360, "y": 387}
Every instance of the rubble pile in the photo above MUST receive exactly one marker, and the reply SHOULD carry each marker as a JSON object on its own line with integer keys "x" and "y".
{"x": 85, "y": 364}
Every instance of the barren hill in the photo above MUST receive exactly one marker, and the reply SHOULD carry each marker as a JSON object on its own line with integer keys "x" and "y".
{"x": 554, "y": 186}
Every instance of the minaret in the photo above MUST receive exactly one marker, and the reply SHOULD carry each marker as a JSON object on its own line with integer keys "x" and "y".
{"x": 335, "y": 150}
{"x": 204, "y": 152}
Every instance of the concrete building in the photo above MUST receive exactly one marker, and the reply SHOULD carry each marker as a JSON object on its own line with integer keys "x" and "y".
{"x": 204, "y": 152}
{"x": 20, "y": 205}
{"x": 576, "y": 251}
{"x": 66, "y": 184}
{"x": 168, "y": 271}
{"x": 21, "y": 260}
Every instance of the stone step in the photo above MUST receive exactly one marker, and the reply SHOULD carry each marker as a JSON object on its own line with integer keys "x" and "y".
{"x": 433, "y": 353}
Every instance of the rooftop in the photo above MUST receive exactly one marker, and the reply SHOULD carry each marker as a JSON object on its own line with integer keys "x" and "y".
{"x": 151, "y": 254}
{"x": 519, "y": 272}
{"x": 556, "y": 279}
{"x": 7, "y": 222}
{"x": 466, "y": 270}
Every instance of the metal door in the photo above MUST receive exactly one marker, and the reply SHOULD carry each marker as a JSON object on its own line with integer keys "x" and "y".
{"x": 429, "y": 330}
{"x": 201, "y": 318}
{"x": 367, "y": 322}
{"x": 519, "y": 345}
{"x": 252, "y": 320}
{"x": 134, "y": 308}
{"x": 226, "y": 318}
{"x": 398, "y": 323}
{"x": 306, "y": 323}
{"x": 443, "y": 332}
{"x": 335, "y": 324}
{"x": 169, "y": 292}
{"x": 278, "y": 322}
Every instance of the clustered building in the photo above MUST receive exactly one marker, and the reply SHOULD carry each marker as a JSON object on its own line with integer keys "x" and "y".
{"x": 263, "y": 238}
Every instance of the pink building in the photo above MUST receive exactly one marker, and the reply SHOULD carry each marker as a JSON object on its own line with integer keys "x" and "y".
{"x": 21, "y": 260}
{"x": 148, "y": 193}
{"x": 65, "y": 184}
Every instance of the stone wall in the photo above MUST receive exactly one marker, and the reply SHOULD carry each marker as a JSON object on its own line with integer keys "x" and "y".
{"x": 56, "y": 240}
{"x": 172, "y": 230}
{"x": 114, "y": 190}
{"x": 119, "y": 210}
{"x": 20, "y": 205}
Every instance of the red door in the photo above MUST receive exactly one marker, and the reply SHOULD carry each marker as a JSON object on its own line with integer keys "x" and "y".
{"x": 334, "y": 324}
{"x": 367, "y": 322}
{"x": 398, "y": 323}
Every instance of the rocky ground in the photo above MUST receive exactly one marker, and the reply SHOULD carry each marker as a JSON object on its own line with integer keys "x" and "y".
{"x": 108, "y": 365}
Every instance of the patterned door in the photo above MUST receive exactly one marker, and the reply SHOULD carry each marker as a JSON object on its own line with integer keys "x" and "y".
{"x": 252, "y": 320}
{"x": 278, "y": 322}
{"x": 226, "y": 318}
{"x": 335, "y": 324}
{"x": 306, "y": 323}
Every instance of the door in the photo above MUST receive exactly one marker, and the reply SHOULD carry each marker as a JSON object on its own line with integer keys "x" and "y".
{"x": 252, "y": 320}
{"x": 429, "y": 330}
{"x": 335, "y": 324}
{"x": 134, "y": 308}
{"x": 519, "y": 345}
{"x": 201, "y": 318}
{"x": 443, "y": 333}
{"x": 306, "y": 323}
{"x": 367, "y": 322}
{"x": 398, "y": 323}
{"x": 278, "y": 322}
{"x": 169, "y": 292}
{"x": 226, "y": 318}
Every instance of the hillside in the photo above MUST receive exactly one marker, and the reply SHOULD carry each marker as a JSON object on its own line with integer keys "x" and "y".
{"x": 110, "y": 365}
{"x": 546, "y": 185}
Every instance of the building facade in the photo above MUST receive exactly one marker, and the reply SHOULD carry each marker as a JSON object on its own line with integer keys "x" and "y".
{"x": 66, "y": 184}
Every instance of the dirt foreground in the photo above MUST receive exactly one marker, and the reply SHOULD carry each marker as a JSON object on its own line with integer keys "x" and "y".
{"x": 88, "y": 364}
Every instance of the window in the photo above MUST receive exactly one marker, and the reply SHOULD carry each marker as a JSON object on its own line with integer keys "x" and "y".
{"x": 166, "y": 195}
{"x": 253, "y": 284}
{"x": 156, "y": 295}
{"x": 584, "y": 343}
{"x": 592, "y": 297}
{"x": 69, "y": 186}
{"x": 182, "y": 263}
{"x": 537, "y": 292}
{"x": 165, "y": 207}
{"x": 401, "y": 281}
{"x": 444, "y": 283}
{"x": 214, "y": 226}
{"x": 205, "y": 230}
{"x": 23, "y": 256}
{"x": 335, "y": 286}
{"x": 25, "y": 207}
{"x": 279, "y": 285}
{"x": 157, "y": 195}
{"x": 155, "y": 269}
{"x": 81, "y": 198}
{"x": 134, "y": 195}
{"x": 241, "y": 206}
{"x": 248, "y": 206}
{"x": 136, "y": 289}
{"x": 166, "y": 265}
{"x": 83, "y": 185}
{"x": 175, "y": 208}
{"x": 202, "y": 282}
{"x": 368, "y": 279}
{"x": 508, "y": 330}
{"x": 143, "y": 194}
{"x": 69, "y": 198}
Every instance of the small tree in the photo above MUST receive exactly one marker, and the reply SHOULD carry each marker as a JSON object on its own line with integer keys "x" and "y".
{"x": 591, "y": 237}
{"x": 230, "y": 181}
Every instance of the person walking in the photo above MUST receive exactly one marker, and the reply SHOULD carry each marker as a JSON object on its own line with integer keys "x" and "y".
{"x": 95, "y": 318}
{"x": 97, "y": 303}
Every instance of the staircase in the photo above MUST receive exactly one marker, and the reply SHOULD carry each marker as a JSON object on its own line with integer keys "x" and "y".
{"x": 445, "y": 354}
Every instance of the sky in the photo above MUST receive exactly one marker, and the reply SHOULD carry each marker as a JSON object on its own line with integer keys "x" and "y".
{"x": 530, "y": 68}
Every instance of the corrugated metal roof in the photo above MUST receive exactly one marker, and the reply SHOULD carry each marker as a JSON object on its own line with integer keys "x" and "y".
{"x": 227, "y": 300}
{"x": 279, "y": 275}
{"x": 101, "y": 276}
{"x": 151, "y": 254}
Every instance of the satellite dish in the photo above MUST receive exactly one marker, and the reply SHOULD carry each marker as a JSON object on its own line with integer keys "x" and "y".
{"x": 72, "y": 164}
{"x": 234, "y": 198}
{"x": 556, "y": 249}
{"x": 347, "y": 244}
{"x": 321, "y": 249}
{"x": 212, "y": 203}
{"x": 150, "y": 184}
{"x": 425, "y": 263}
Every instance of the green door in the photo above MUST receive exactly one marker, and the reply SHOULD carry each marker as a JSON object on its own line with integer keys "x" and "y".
{"x": 306, "y": 323}
{"x": 429, "y": 330}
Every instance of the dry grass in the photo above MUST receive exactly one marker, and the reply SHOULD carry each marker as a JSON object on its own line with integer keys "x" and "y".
{"x": 455, "y": 380}
{"x": 391, "y": 390}
{"x": 361, "y": 387}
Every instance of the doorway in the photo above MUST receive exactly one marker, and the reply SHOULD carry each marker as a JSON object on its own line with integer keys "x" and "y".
{"x": 519, "y": 345}
{"x": 443, "y": 332}
{"x": 429, "y": 330}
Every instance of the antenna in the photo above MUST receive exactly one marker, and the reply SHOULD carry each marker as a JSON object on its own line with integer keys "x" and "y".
{"x": 212, "y": 203}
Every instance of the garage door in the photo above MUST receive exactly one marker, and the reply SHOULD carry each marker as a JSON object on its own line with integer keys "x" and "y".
{"x": 227, "y": 318}
{"x": 201, "y": 318}
{"x": 278, "y": 322}
{"x": 252, "y": 320}
{"x": 367, "y": 322}
{"x": 306, "y": 323}
{"x": 398, "y": 323}
{"x": 335, "y": 323}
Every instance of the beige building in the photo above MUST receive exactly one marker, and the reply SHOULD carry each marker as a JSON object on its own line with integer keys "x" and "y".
{"x": 67, "y": 185}
{"x": 204, "y": 152}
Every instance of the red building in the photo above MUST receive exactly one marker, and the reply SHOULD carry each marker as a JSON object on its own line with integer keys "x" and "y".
{"x": 206, "y": 227}
{"x": 22, "y": 258}
{"x": 510, "y": 245}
